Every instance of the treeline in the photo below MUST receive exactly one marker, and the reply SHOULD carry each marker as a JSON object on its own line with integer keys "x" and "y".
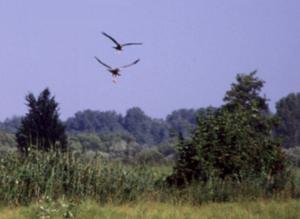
{"x": 147, "y": 131}
{"x": 134, "y": 126}
{"x": 134, "y": 135}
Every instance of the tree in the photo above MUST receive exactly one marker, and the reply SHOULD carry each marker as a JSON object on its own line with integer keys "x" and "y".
{"x": 11, "y": 125}
{"x": 234, "y": 141}
{"x": 95, "y": 121}
{"x": 137, "y": 123}
{"x": 183, "y": 121}
{"x": 187, "y": 165}
{"x": 288, "y": 112}
{"x": 229, "y": 145}
{"x": 246, "y": 93}
{"x": 41, "y": 127}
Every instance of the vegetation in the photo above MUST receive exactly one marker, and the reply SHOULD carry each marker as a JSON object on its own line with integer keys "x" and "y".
{"x": 223, "y": 154}
{"x": 246, "y": 92}
{"x": 95, "y": 121}
{"x": 7, "y": 142}
{"x": 182, "y": 121}
{"x": 288, "y": 112}
{"x": 151, "y": 132}
{"x": 285, "y": 209}
{"x": 234, "y": 142}
{"x": 11, "y": 125}
{"x": 293, "y": 155}
{"x": 55, "y": 175}
{"x": 41, "y": 127}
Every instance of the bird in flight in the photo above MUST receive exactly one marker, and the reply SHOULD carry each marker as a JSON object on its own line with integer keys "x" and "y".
{"x": 119, "y": 46}
{"x": 116, "y": 71}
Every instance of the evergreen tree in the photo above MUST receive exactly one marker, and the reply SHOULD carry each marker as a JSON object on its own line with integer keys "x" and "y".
{"x": 41, "y": 127}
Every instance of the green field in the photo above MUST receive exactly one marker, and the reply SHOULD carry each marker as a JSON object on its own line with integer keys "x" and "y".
{"x": 155, "y": 210}
{"x": 51, "y": 185}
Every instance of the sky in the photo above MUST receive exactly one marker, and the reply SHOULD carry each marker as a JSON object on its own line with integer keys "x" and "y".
{"x": 191, "y": 53}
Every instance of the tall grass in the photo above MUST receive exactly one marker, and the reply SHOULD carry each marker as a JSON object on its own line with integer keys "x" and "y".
{"x": 64, "y": 175}
{"x": 54, "y": 175}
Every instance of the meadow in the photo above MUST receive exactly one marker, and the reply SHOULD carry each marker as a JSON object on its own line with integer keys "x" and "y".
{"x": 262, "y": 209}
{"x": 66, "y": 185}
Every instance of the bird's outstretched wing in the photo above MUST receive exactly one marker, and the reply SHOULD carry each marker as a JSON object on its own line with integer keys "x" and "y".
{"x": 133, "y": 63}
{"x": 102, "y": 63}
{"x": 111, "y": 38}
{"x": 131, "y": 44}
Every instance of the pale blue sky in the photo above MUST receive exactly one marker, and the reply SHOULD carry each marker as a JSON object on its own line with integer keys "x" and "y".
{"x": 192, "y": 51}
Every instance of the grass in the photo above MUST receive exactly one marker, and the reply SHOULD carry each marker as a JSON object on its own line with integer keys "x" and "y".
{"x": 57, "y": 175}
{"x": 55, "y": 185}
{"x": 286, "y": 209}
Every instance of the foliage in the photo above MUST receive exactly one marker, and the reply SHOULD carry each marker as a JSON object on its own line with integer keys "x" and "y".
{"x": 120, "y": 146}
{"x": 55, "y": 174}
{"x": 143, "y": 128}
{"x": 186, "y": 164}
{"x": 11, "y": 125}
{"x": 183, "y": 121}
{"x": 231, "y": 145}
{"x": 293, "y": 155}
{"x": 234, "y": 142}
{"x": 288, "y": 111}
{"x": 135, "y": 124}
{"x": 41, "y": 127}
{"x": 7, "y": 143}
{"x": 167, "y": 149}
{"x": 7, "y": 139}
{"x": 246, "y": 93}
{"x": 149, "y": 156}
{"x": 95, "y": 121}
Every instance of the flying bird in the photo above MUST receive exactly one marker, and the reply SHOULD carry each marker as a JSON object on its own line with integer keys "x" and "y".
{"x": 119, "y": 46}
{"x": 116, "y": 71}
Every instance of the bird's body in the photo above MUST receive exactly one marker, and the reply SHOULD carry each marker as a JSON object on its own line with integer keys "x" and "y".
{"x": 116, "y": 71}
{"x": 119, "y": 47}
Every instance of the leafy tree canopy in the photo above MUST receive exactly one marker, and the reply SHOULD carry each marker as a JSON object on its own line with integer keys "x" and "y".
{"x": 288, "y": 112}
{"x": 11, "y": 125}
{"x": 246, "y": 92}
{"x": 95, "y": 121}
{"x": 234, "y": 141}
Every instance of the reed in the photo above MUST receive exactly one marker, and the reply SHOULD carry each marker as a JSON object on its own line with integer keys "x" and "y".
{"x": 56, "y": 175}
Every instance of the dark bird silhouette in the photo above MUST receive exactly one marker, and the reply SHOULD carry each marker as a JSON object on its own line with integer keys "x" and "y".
{"x": 116, "y": 71}
{"x": 119, "y": 46}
